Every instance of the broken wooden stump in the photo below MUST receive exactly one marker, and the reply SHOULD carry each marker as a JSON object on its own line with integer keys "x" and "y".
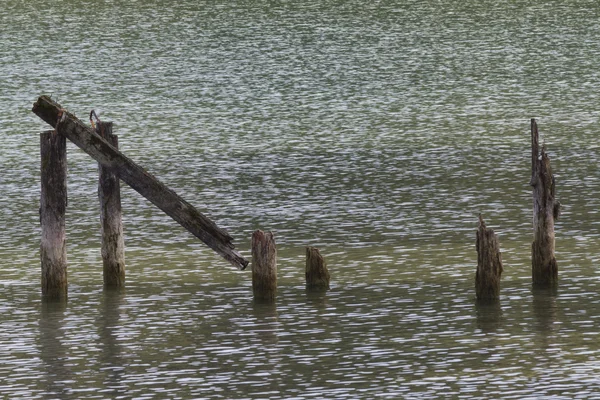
{"x": 264, "y": 266}
{"x": 53, "y": 205}
{"x": 317, "y": 275}
{"x": 489, "y": 263}
{"x": 544, "y": 269}
{"x": 111, "y": 225}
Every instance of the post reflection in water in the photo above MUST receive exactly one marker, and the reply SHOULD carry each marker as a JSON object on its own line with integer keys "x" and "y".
{"x": 266, "y": 317}
{"x": 56, "y": 381}
{"x": 110, "y": 358}
{"x": 317, "y": 298}
{"x": 267, "y": 332}
{"x": 489, "y": 315}
{"x": 545, "y": 310}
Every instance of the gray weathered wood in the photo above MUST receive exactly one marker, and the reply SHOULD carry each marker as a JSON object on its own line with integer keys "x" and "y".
{"x": 317, "y": 275}
{"x": 264, "y": 266}
{"x": 111, "y": 225}
{"x": 53, "y": 204}
{"x": 489, "y": 263}
{"x": 157, "y": 193}
{"x": 546, "y": 209}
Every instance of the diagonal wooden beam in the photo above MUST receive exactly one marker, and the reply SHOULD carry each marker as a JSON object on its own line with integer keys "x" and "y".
{"x": 140, "y": 180}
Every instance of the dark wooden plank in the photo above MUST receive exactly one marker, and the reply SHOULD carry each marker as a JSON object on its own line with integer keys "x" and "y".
{"x": 140, "y": 180}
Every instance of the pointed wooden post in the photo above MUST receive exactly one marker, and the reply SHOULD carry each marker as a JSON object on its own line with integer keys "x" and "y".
{"x": 544, "y": 269}
{"x": 53, "y": 204}
{"x": 264, "y": 266}
{"x": 317, "y": 275}
{"x": 489, "y": 263}
{"x": 111, "y": 226}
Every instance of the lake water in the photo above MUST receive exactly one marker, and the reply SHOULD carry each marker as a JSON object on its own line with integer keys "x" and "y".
{"x": 375, "y": 131}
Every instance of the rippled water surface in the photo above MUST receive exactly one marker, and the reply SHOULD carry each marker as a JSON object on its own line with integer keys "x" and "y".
{"x": 376, "y": 131}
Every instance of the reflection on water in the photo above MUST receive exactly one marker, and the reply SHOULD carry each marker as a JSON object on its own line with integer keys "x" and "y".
{"x": 375, "y": 131}
{"x": 317, "y": 298}
{"x": 419, "y": 338}
{"x": 111, "y": 362}
{"x": 57, "y": 371}
{"x": 489, "y": 315}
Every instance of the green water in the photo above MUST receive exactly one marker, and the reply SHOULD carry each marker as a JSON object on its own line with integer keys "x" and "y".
{"x": 374, "y": 131}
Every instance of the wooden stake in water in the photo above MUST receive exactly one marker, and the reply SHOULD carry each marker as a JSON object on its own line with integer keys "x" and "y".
{"x": 546, "y": 209}
{"x": 53, "y": 204}
{"x": 317, "y": 275}
{"x": 264, "y": 266}
{"x": 489, "y": 263}
{"x": 111, "y": 226}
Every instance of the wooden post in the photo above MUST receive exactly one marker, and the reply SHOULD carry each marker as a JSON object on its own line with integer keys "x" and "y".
{"x": 264, "y": 266}
{"x": 317, "y": 275}
{"x": 53, "y": 204}
{"x": 111, "y": 226}
{"x": 489, "y": 263}
{"x": 544, "y": 269}
{"x": 139, "y": 179}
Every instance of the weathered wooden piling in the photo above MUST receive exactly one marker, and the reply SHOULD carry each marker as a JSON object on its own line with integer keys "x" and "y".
{"x": 489, "y": 263}
{"x": 53, "y": 204}
{"x": 317, "y": 275}
{"x": 111, "y": 225}
{"x": 546, "y": 209}
{"x": 264, "y": 266}
{"x": 489, "y": 315}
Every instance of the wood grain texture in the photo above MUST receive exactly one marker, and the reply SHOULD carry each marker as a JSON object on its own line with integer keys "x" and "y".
{"x": 53, "y": 205}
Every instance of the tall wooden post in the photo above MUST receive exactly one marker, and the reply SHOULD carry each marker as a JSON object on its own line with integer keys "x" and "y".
{"x": 489, "y": 263}
{"x": 53, "y": 204}
{"x": 317, "y": 275}
{"x": 111, "y": 226}
{"x": 546, "y": 209}
{"x": 264, "y": 266}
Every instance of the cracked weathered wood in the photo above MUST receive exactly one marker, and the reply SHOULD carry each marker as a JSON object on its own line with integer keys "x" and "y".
{"x": 111, "y": 224}
{"x": 53, "y": 205}
{"x": 139, "y": 179}
{"x": 264, "y": 266}
{"x": 489, "y": 263}
{"x": 544, "y": 269}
